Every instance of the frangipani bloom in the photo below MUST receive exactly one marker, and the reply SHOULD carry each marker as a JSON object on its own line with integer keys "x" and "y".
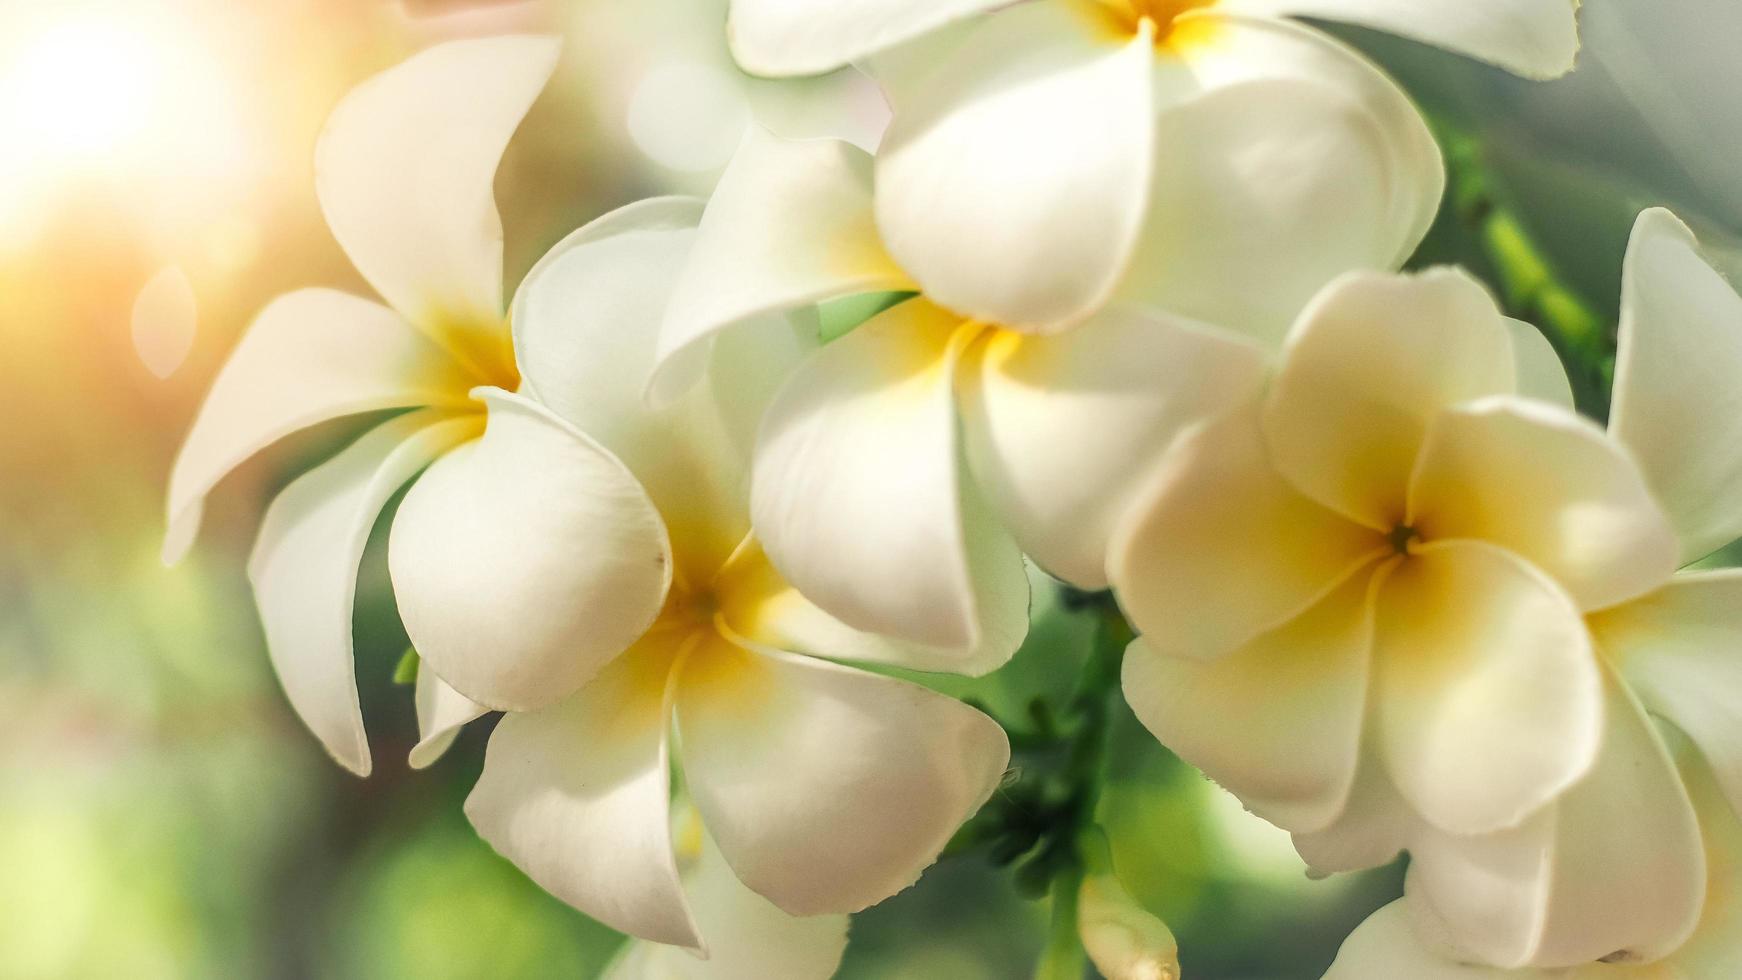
{"x": 750, "y": 939}
{"x": 404, "y": 172}
{"x": 587, "y": 565}
{"x": 1214, "y": 157}
{"x": 891, "y": 465}
{"x": 1385, "y": 566}
{"x": 1387, "y": 946}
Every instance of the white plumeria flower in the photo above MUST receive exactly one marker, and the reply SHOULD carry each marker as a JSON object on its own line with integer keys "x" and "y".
{"x": 891, "y": 466}
{"x": 403, "y": 171}
{"x": 1214, "y": 157}
{"x": 1387, "y": 946}
{"x": 751, "y": 939}
{"x": 587, "y": 565}
{"x": 1443, "y": 600}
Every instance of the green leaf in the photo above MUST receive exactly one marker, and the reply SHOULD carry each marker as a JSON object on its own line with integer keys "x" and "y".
{"x": 838, "y": 317}
{"x": 405, "y": 672}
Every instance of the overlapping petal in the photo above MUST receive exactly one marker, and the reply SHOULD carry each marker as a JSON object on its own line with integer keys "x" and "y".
{"x": 1533, "y": 38}
{"x": 1549, "y": 486}
{"x": 1218, "y": 549}
{"x": 578, "y": 796}
{"x": 1300, "y": 692}
{"x": 790, "y": 224}
{"x": 311, "y": 356}
{"x": 1680, "y": 649}
{"x": 1014, "y": 189}
{"x": 827, "y": 788}
{"x": 404, "y": 171}
{"x": 808, "y": 37}
{"x": 1061, "y": 429}
{"x": 1488, "y": 700}
{"x": 526, "y": 560}
{"x": 304, "y": 569}
{"x": 1370, "y": 363}
{"x": 1677, "y": 404}
{"x": 441, "y": 713}
{"x": 859, "y": 494}
{"x": 1541, "y": 375}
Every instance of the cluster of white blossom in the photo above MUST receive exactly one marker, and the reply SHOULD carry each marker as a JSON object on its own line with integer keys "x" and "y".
{"x": 1141, "y": 321}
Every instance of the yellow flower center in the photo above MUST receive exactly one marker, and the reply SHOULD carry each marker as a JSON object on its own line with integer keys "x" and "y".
{"x": 482, "y": 345}
{"x": 1164, "y": 16}
{"x": 1403, "y": 539}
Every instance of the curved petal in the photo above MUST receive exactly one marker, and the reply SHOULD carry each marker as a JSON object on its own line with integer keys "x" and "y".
{"x": 828, "y": 788}
{"x": 1370, "y": 363}
{"x": 1482, "y": 897}
{"x": 1283, "y": 160}
{"x": 859, "y": 496}
{"x": 748, "y": 938}
{"x": 1488, "y": 697}
{"x": 765, "y": 609}
{"x": 1629, "y": 872}
{"x": 1677, "y": 404}
{"x": 1533, "y": 38}
{"x": 441, "y": 713}
{"x": 789, "y": 225}
{"x": 1541, "y": 375}
{"x": 1386, "y": 946}
{"x": 1681, "y": 650}
{"x": 1376, "y": 825}
{"x": 1014, "y": 191}
{"x": 578, "y": 797}
{"x": 586, "y": 324}
{"x": 1059, "y": 429}
{"x": 1715, "y": 950}
{"x": 1550, "y": 487}
{"x": 309, "y": 357}
{"x": 525, "y": 561}
{"x": 807, "y": 37}
{"x": 404, "y": 171}
{"x": 1218, "y": 549}
{"x": 304, "y": 569}
{"x": 1301, "y": 691}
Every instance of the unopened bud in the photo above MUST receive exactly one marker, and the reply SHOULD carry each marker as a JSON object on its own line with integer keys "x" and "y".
{"x": 1123, "y": 940}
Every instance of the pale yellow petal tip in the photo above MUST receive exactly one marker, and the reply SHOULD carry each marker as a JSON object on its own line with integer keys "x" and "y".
{"x": 178, "y": 537}
{"x": 1123, "y": 940}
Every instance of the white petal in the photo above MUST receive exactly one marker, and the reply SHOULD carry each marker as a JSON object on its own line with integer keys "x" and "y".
{"x": 404, "y": 171}
{"x": 1482, "y": 897}
{"x": 1375, "y": 826}
{"x": 1282, "y": 160}
{"x": 764, "y": 608}
{"x": 304, "y": 569}
{"x": 1533, "y": 38}
{"x": 859, "y": 496}
{"x": 1014, "y": 192}
{"x": 1549, "y": 486}
{"x": 311, "y": 356}
{"x": 1677, "y": 403}
{"x": 1061, "y": 428}
{"x": 748, "y": 938}
{"x": 586, "y": 324}
{"x": 1681, "y": 650}
{"x": 1487, "y": 694}
{"x": 1301, "y": 692}
{"x": 828, "y": 788}
{"x": 789, "y": 225}
{"x": 1715, "y": 950}
{"x": 578, "y": 796}
{"x": 1541, "y": 375}
{"x": 1386, "y": 947}
{"x": 524, "y": 561}
{"x": 1368, "y": 366}
{"x": 808, "y": 37}
{"x": 1218, "y": 549}
{"x": 1629, "y": 865}
{"x": 441, "y": 713}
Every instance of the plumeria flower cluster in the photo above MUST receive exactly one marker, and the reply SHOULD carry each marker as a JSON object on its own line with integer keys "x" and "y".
{"x": 1117, "y": 298}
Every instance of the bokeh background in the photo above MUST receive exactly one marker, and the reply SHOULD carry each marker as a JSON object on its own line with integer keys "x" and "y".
{"x": 163, "y": 814}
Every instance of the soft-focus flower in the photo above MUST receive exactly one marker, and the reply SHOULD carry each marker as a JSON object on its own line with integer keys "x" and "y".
{"x": 404, "y": 172}
{"x": 1124, "y": 940}
{"x": 1431, "y": 602}
{"x": 905, "y": 468}
{"x": 1215, "y": 157}
{"x": 587, "y": 565}
{"x": 1386, "y": 946}
{"x": 750, "y": 938}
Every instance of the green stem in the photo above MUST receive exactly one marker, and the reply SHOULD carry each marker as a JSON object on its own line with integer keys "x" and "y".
{"x": 1064, "y": 957}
